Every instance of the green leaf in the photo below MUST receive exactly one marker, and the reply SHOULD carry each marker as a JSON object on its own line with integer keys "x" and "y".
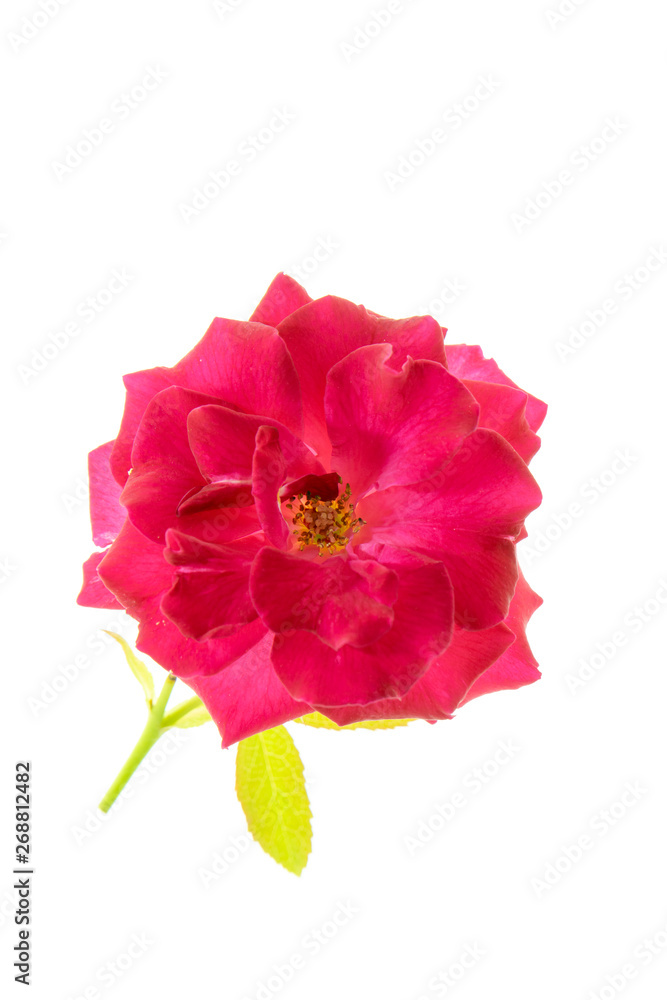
{"x": 321, "y": 722}
{"x": 272, "y": 792}
{"x": 139, "y": 669}
{"x": 197, "y": 717}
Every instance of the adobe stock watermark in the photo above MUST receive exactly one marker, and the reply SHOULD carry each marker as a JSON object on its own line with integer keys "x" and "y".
{"x": 111, "y": 972}
{"x": 579, "y": 162}
{"x": 86, "y": 312}
{"x": 324, "y": 249}
{"x": 634, "y": 621}
{"x": 447, "y": 979}
{"x": 33, "y": 24}
{"x": 67, "y": 674}
{"x": 598, "y": 828}
{"x": 472, "y": 784}
{"x": 311, "y": 944}
{"x": 453, "y": 119}
{"x": 247, "y": 152}
{"x": 562, "y": 12}
{"x": 643, "y": 955}
{"x": 94, "y": 820}
{"x": 623, "y": 291}
{"x": 590, "y": 493}
{"x": 76, "y": 497}
{"x": 438, "y": 307}
{"x": 365, "y": 33}
{"x": 223, "y": 860}
{"x": 122, "y": 107}
{"x": 7, "y": 569}
{"x": 224, "y": 7}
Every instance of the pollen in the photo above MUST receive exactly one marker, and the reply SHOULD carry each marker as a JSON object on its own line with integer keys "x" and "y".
{"x": 327, "y": 524}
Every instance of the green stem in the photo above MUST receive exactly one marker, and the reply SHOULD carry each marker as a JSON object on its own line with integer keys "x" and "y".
{"x": 149, "y": 737}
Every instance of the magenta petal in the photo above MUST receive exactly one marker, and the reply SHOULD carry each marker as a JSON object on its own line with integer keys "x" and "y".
{"x": 391, "y": 427}
{"x": 387, "y": 668}
{"x": 94, "y": 594}
{"x": 467, "y": 515}
{"x": 323, "y": 332}
{"x": 134, "y": 569}
{"x": 223, "y": 444}
{"x": 106, "y": 513}
{"x": 281, "y": 298}
{"x": 247, "y": 697}
{"x": 268, "y": 475}
{"x": 140, "y": 387}
{"x": 164, "y": 469}
{"x": 160, "y": 639}
{"x": 210, "y": 589}
{"x": 439, "y": 691}
{"x": 468, "y": 362}
{"x": 503, "y": 409}
{"x": 517, "y": 666}
{"x": 327, "y": 597}
{"x": 247, "y": 366}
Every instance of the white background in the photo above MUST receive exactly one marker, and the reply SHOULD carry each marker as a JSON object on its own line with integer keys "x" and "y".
{"x": 476, "y": 883}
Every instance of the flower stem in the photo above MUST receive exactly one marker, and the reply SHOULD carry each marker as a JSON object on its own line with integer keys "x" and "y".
{"x": 151, "y": 734}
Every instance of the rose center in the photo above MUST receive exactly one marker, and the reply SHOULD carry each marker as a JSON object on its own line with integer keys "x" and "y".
{"x": 328, "y": 524}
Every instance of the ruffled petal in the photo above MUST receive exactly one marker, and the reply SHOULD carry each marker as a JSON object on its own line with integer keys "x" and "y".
{"x": 326, "y": 330}
{"x": 467, "y": 515}
{"x": 248, "y": 366}
{"x": 209, "y": 595}
{"x": 338, "y": 599}
{"x": 163, "y": 467}
{"x": 283, "y": 296}
{"x": 391, "y": 427}
{"x": 135, "y": 570}
{"x": 423, "y": 611}
{"x": 94, "y": 594}
{"x": 517, "y": 666}
{"x": 503, "y": 409}
{"x": 268, "y": 475}
{"x": 441, "y": 689}
{"x": 106, "y": 512}
{"x": 222, "y": 442}
{"x": 247, "y": 697}
{"x": 467, "y": 362}
{"x": 140, "y": 387}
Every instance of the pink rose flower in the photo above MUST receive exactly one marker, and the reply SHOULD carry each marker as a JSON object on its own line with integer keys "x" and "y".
{"x": 318, "y": 509}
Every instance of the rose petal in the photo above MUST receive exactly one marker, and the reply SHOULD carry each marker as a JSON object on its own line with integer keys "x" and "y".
{"x": 222, "y": 442}
{"x": 334, "y": 598}
{"x": 210, "y": 589}
{"x": 281, "y": 298}
{"x": 313, "y": 672}
{"x": 268, "y": 475}
{"x": 467, "y": 516}
{"x": 326, "y": 330}
{"x": 248, "y": 366}
{"x": 247, "y": 697}
{"x": 503, "y": 409}
{"x": 468, "y": 362}
{"x": 439, "y": 691}
{"x": 134, "y": 569}
{"x": 164, "y": 469}
{"x": 517, "y": 666}
{"x": 107, "y": 515}
{"x": 391, "y": 427}
{"x": 140, "y": 387}
{"x": 94, "y": 594}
